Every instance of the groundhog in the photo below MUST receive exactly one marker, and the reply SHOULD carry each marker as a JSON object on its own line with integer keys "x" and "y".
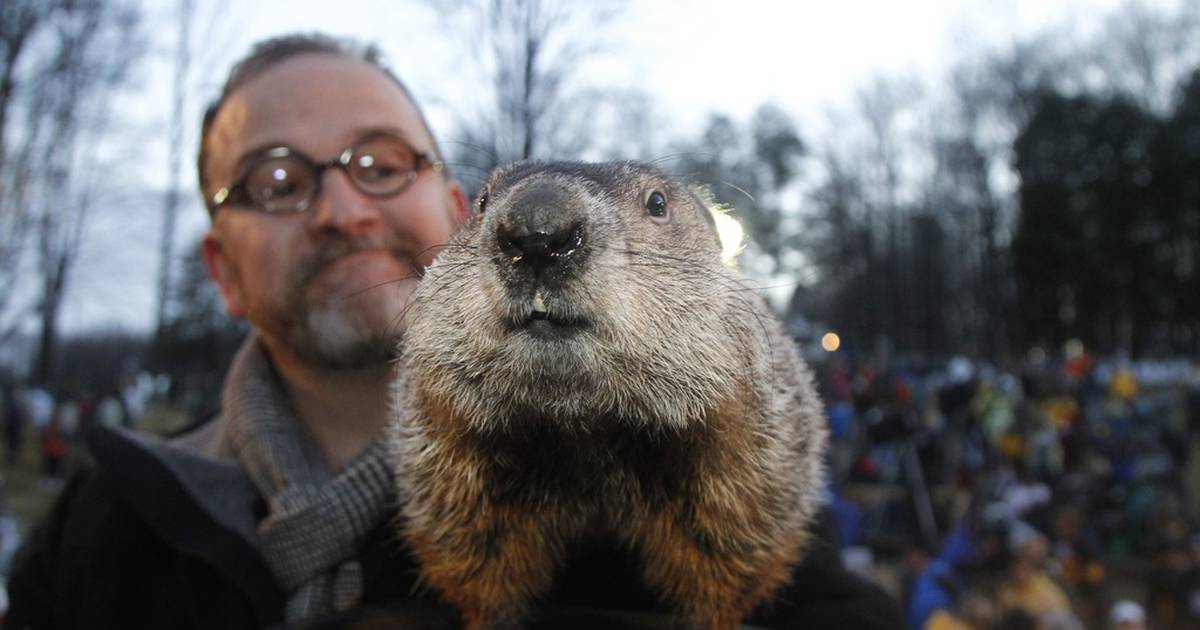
{"x": 579, "y": 362}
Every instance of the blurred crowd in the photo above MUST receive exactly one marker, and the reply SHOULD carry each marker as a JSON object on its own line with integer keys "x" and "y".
{"x": 1058, "y": 493}
{"x": 54, "y": 418}
{"x": 43, "y": 428}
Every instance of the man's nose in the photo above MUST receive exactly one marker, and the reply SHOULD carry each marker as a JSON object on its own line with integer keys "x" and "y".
{"x": 341, "y": 207}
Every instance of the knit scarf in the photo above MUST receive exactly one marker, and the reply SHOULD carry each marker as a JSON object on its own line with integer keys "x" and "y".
{"x": 316, "y": 520}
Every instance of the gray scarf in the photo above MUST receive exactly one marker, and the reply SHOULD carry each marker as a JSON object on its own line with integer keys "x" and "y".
{"x": 316, "y": 521}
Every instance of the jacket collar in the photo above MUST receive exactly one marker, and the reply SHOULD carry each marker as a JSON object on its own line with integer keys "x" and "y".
{"x": 197, "y": 501}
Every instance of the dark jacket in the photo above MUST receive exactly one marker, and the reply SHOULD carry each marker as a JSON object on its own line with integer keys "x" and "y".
{"x": 128, "y": 544}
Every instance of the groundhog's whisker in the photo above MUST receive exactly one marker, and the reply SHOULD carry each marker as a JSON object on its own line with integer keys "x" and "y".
{"x": 728, "y": 284}
{"x": 477, "y": 148}
{"x": 745, "y": 284}
{"x": 671, "y": 157}
{"x": 736, "y": 331}
{"x": 415, "y": 274}
{"x": 683, "y": 264}
{"x": 651, "y": 244}
{"x": 429, "y": 290}
{"x": 768, "y": 287}
{"x": 466, "y": 166}
{"x": 444, "y": 247}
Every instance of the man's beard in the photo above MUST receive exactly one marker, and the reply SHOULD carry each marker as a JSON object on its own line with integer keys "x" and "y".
{"x": 332, "y": 331}
{"x": 334, "y": 338}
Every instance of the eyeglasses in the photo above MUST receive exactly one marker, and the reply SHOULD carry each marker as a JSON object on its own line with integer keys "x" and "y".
{"x": 282, "y": 180}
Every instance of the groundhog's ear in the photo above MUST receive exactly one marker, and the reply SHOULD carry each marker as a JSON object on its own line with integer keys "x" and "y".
{"x": 459, "y": 203}
{"x": 221, "y": 270}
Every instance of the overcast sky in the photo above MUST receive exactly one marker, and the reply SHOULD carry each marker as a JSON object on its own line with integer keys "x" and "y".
{"x": 808, "y": 57}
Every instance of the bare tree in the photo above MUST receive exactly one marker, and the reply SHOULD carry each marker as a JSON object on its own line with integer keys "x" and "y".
{"x": 1143, "y": 51}
{"x": 634, "y": 129}
{"x": 530, "y": 52}
{"x": 179, "y": 83}
{"x": 750, "y": 168}
{"x": 970, "y": 140}
{"x": 893, "y": 244}
{"x": 838, "y": 238}
{"x": 203, "y": 40}
{"x": 20, "y": 21}
{"x": 882, "y": 106}
{"x": 81, "y": 51}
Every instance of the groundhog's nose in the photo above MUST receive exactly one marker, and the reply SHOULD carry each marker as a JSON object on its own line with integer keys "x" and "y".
{"x": 541, "y": 249}
{"x": 541, "y": 229}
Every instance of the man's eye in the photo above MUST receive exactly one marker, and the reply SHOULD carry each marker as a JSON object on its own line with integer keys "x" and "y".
{"x": 278, "y": 190}
{"x": 280, "y": 181}
{"x": 379, "y": 171}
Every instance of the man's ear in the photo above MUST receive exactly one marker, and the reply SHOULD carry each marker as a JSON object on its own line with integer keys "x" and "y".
{"x": 460, "y": 204}
{"x": 220, "y": 269}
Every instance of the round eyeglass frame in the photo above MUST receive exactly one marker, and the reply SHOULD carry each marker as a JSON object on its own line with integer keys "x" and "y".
{"x": 236, "y": 192}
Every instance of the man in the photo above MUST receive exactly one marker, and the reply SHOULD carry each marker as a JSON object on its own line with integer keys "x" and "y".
{"x": 327, "y": 197}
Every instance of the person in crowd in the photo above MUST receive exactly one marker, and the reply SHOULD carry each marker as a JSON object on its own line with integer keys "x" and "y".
{"x": 14, "y": 422}
{"x": 1027, "y": 586}
{"x": 1127, "y": 615}
{"x": 974, "y": 611}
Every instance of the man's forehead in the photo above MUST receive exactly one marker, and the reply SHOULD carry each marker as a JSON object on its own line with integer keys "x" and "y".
{"x": 317, "y": 103}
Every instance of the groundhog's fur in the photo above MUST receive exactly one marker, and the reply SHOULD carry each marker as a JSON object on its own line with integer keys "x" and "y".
{"x": 612, "y": 378}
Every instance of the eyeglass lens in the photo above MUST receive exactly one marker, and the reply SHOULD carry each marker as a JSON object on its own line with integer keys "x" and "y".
{"x": 377, "y": 167}
{"x": 281, "y": 183}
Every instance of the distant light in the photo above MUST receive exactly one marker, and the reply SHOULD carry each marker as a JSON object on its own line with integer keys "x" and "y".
{"x": 830, "y": 341}
{"x": 1073, "y": 349}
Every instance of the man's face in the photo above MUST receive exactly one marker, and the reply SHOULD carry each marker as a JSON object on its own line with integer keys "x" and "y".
{"x": 329, "y": 284}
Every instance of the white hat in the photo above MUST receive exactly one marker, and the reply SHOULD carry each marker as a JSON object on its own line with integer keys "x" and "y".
{"x": 1126, "y": 611}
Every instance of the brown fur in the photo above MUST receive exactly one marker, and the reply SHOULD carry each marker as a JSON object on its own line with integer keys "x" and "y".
{"x": 674, "y": 416}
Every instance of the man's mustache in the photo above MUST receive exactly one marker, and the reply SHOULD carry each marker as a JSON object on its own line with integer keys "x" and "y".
{"x": 337, "y": 248}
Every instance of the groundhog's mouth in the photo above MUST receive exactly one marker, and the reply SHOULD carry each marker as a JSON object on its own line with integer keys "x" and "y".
{"x": 541, "y": 321}
{"x": 543, "y": 324}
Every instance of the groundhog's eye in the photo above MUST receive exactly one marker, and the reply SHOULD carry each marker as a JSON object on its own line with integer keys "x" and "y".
{"x": 656, "y": 205}
{"x": 482, "y": 203}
